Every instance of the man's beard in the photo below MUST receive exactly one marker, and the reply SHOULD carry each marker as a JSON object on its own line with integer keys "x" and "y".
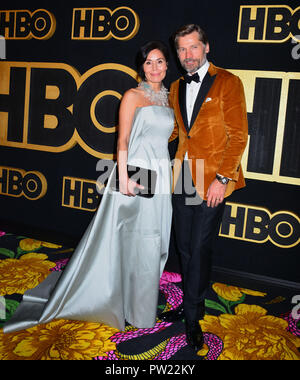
{"x": 195, "y": 67}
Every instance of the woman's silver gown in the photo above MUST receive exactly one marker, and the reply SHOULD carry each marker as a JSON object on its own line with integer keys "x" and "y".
{"x": 114, "y": 273}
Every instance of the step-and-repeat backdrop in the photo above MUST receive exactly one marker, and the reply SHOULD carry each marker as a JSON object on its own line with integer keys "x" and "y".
{"x": 64, "y": 67}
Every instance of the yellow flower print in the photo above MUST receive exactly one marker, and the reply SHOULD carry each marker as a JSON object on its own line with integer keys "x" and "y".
{"x": 30, "y": 245}
{"x": 251, "y": 334}
{"x": 50, "y": 245}
{"x": 233, "y": 293}
{"x": 58, "y": 340}
{"x": 19, "y": 275}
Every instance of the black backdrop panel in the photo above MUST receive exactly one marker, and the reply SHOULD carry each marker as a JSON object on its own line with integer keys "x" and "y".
{"x": 63, "y": 70}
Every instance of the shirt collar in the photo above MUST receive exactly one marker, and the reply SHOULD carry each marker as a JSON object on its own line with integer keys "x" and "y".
{"x": 203, "y": 70}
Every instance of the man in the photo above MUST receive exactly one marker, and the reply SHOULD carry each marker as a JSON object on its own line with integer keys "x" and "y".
{"x": 211, "y": 123}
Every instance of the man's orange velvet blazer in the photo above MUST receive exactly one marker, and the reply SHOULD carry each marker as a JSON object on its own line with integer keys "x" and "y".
{"x": 218, "y": 133}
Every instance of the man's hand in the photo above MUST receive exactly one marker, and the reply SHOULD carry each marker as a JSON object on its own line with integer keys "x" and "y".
{"x": 215, "y": 193}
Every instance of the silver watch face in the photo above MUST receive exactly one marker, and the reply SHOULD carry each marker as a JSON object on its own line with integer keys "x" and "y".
{"x": 223, "y": 180}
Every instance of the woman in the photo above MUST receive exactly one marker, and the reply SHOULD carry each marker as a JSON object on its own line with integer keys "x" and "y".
{"x": 114, "y": 273}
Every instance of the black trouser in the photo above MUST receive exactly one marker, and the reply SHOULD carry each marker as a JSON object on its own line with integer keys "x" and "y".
{"x": 195, "y": 227}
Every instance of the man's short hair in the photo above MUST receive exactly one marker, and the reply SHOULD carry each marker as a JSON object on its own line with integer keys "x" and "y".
{"x": 188, "y": 29}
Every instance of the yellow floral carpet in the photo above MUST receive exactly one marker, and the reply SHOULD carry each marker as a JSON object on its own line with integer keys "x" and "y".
{"x": 240, "y": 324}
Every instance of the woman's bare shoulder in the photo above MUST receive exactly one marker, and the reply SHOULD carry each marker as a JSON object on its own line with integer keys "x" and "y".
{"x": 134, "y": 95}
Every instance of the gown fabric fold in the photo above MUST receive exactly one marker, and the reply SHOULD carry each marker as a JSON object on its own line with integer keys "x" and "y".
{"x": 113, "y": 275}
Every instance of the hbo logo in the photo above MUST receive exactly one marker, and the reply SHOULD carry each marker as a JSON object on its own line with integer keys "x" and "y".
{"x": 24, "y": 25}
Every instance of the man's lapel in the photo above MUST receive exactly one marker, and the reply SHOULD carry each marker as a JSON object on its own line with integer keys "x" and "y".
{"x": 204, "y": 89}
{"x": 182, "y": 102}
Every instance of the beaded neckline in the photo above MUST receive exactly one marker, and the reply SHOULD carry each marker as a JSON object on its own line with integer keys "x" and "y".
{"x": 159, "y": 98}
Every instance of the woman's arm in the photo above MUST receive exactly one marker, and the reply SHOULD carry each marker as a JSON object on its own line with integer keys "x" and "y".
{"x": 129, "y": 103}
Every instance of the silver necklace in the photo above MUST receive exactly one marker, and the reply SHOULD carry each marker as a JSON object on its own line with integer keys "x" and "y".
{"x": 159, "y": 98}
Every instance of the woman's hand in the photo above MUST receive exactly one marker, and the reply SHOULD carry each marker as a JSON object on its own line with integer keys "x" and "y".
{"x": 132, "y": 186}
{"x": 128, "y": 187}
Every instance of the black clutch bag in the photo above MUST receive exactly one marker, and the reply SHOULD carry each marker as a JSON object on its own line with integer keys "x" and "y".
{"x": 144, "y": 177}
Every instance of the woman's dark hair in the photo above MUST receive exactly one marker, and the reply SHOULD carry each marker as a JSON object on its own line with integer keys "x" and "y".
{"x": 144, "y": 52}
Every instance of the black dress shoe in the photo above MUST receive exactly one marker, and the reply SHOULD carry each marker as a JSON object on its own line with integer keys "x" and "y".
{"x": 172, "y": 315}
{"x": 194, "y": 335}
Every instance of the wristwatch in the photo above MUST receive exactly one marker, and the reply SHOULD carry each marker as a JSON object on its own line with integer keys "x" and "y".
{"x": 223, "y": 180}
